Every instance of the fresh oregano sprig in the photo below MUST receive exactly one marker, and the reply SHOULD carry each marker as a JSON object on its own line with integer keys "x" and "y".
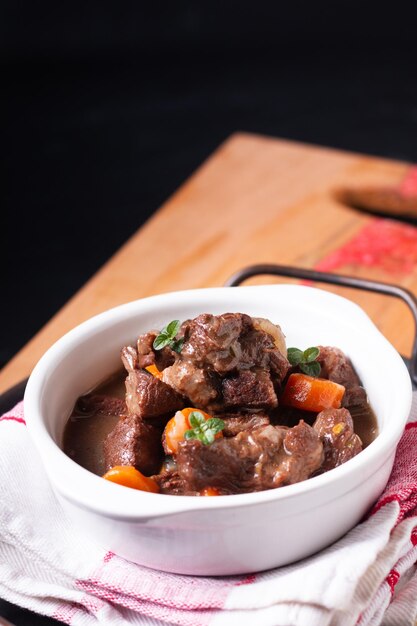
{"x": 202, "y": 429}
{"x": 306, "y": 360}
{"x": 167, "y": 337}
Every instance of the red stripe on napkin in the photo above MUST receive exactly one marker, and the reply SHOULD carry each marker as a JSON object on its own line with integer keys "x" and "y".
{"x": 382, "y": 243}
{"x": 118, "y": 579}
{"x": 15, "y": 415}
{"x": 183, "y": 616}
{"x": 10, "y": 418}
{"x": 392, "y": 579}
{"x": 402, "y": 484}
{"x": 249, "y": 580}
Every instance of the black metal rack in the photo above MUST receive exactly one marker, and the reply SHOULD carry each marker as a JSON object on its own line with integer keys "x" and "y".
{"x": 343, "y": 281}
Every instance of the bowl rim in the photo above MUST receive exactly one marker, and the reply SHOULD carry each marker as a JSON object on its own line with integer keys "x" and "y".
{"x": 114, "y": 501}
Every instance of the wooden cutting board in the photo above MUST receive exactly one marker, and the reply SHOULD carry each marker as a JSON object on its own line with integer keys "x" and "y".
{"x": 255, "y": 200}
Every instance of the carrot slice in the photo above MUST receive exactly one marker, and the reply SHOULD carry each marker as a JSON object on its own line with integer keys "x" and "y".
{"x": 209, "y": 491}
{"x": 174, "y": 432}
{"x": 129, "y": 476}
{"x": 177, "y": 426}
{"x": 152, "y": 369}
{"x": 189, "y": 410}
{"x": 312, "y": 394}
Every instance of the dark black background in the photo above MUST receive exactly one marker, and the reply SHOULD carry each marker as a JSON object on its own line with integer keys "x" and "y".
{"x": 109, "y": 106}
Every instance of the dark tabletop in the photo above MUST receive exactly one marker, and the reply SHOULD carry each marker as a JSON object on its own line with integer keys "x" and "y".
{"x": 110, "y": 108}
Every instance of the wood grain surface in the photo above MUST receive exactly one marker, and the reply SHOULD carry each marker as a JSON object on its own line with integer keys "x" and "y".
{"x": 255, "y": 200}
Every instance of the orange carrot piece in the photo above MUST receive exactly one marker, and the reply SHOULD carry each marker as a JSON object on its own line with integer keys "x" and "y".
{"x": 209, "y": 491}
{"x": 152, "y": 369}
{"x": 312, "y": 394}
{"x": 174, "y": 432}
{"x": 189, "y": 410}
{"x": 176, "y": 428}
{"x": 129, "y": 476}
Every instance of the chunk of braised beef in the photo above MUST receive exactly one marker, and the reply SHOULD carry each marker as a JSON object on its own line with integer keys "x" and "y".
{"x": 171, "y": 482}
{"x": 229, "y": 343}
{"x": 144, "y": 355}
{"x": 97, "y": 404}
{"x": 144, "y": 348}
{"x": 227, "y": 348}
{"x": 196, "y": 384}
{"x": 226, "y": 464}
{"x": 336, "y": 366}
{"x": 340, "y": 442}
{"x": 278, "y": 365}
{"x": 235, "y": 423}
{"x": 258, "y": 350}
{"x": 149, "y": 397}
{"x": 255, "y": 347}
{"x": 134, "y": 442}
{"x": 129, "y": 356}
{"x": 148, "y": 356}
{"x": 213, "y": 340}
{"x": 303, "y": 454}
{"x": 264, "y": 458}
{"x": 251, "y": 389}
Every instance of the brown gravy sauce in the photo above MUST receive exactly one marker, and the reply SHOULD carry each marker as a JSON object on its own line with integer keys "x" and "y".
{"x": 84, "y": 434}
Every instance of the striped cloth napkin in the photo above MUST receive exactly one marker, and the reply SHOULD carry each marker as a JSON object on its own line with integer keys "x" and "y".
{"x": 369, "y": 577}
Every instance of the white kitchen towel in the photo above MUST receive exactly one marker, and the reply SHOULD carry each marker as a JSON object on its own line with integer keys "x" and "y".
{"x": 368, "y": 577}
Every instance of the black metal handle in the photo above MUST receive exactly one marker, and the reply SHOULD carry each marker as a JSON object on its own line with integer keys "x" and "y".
{"x": 336, "y": 279}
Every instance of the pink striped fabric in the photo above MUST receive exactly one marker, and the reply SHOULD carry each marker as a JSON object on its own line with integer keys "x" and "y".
{"x": 402, "y": 485}
{"x": 107, "y": 589}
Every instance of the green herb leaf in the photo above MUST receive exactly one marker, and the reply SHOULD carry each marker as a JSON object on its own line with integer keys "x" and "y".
{"x": 311, "y": 369}
{"x": 306, "y": 360}
{"x": 172, "y": 328}
{"x": 167, "y": 337}
{"x": 215, "y": 424}
{"x": 310, "y": 355}
{"x": 161, "y": 341}
{"x": 196, "y": 419}
{"x": 177, "y": 345}
{"x": 204, "y": 431}
{"x": 295, "y": 356}
{"x": 207, "y": 437}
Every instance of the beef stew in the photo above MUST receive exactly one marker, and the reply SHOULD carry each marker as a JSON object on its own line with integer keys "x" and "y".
{"x": 217, "y": 405}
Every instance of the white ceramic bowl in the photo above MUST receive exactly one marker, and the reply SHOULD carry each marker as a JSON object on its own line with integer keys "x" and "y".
{"x": 228, "y": 534}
